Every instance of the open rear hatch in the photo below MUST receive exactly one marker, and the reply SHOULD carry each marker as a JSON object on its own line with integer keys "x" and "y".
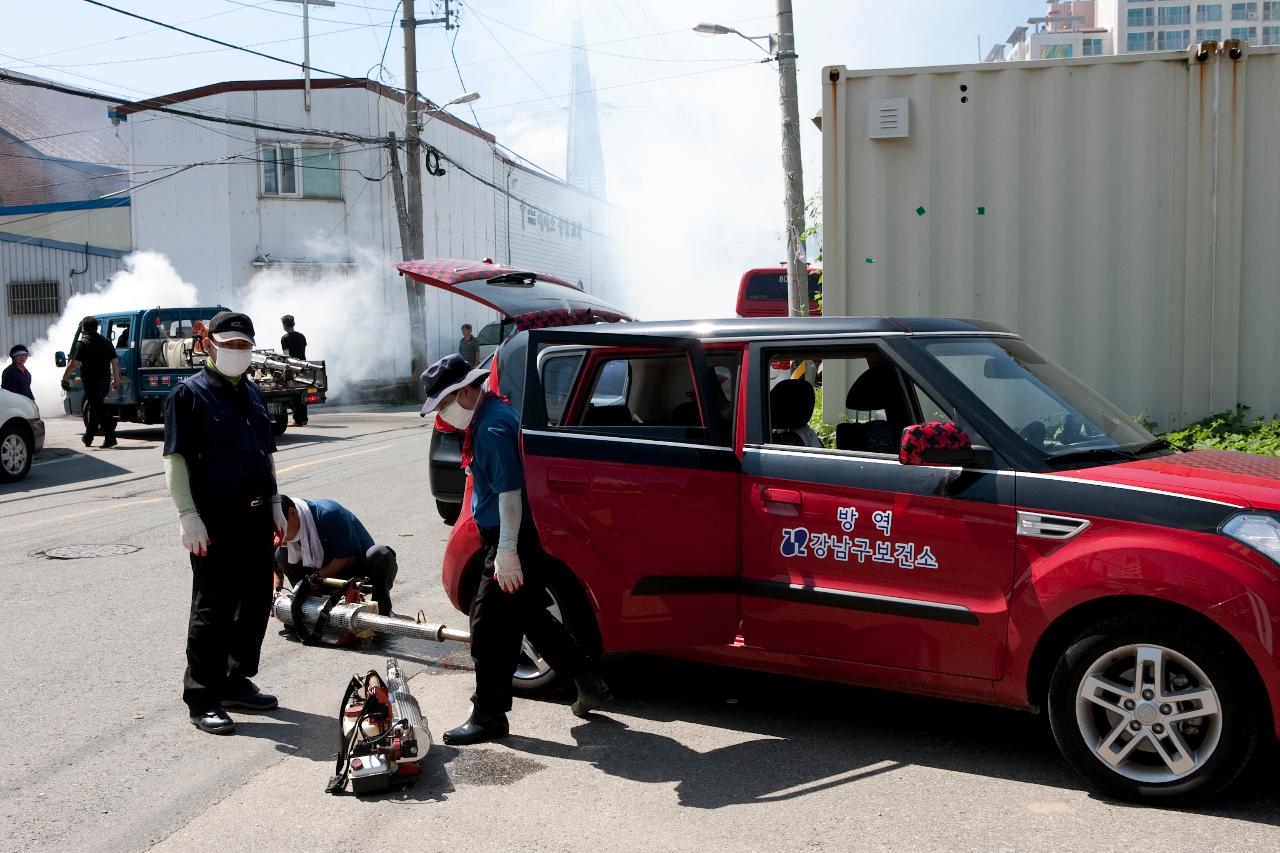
{"x": 530, "y": 300}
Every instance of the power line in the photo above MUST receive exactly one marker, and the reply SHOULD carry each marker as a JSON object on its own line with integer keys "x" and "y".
{"x": 212, "y": 39}
{"x": 453, "y": 54}
{"x": 518, "y": 64}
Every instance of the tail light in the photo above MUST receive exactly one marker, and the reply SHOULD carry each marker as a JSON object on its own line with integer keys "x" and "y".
{"x": 313, "y": 398}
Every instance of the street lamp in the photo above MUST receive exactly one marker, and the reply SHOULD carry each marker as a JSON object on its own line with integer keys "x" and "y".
{"x": 719, "y": 30}
{"x": 782, "y": 47}
{"x": 427, "y": 113}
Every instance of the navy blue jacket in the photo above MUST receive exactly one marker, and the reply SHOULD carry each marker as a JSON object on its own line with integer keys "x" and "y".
{"x": 223, "y": 431}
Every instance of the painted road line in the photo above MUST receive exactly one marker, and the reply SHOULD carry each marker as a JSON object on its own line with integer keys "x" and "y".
{"x": 99, "y": 510}
{"x": 322, "y": 461}
{"x": 60, "y": 459}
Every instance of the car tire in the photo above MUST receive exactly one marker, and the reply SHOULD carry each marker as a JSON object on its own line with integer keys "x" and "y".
{"x": 279, "y": 424}
{"x": 534, "y": 676}
{"x": 16, "y": 452}
{"x": 449, "y": 511}
{"x": 1180, "y": 735}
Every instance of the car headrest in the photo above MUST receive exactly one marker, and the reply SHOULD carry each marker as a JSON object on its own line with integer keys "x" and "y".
{"x": 791, "y": 404}
{"x": 877, "y": 388}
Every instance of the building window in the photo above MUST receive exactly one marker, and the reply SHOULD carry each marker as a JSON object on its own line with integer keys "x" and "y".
{"x": 1244, "y": 11}
{"x": 1209, "y": 35}
{"x": 1249, "y": 34}
{"x": 1271, "y": 10}
{"x": 1174, "y": 40}
{"x": 307, "y": 171}
{"x": 1055, "y": 51}
{"x": 1172, "y": 16}
{"x": 1139, "y": 42}
{"x": 1093, "y": 47}
{"x": 1142, "y": 17}
{"x": 1271, "y": 35}
{"x": 1209, "y": 12}
{"x": 33, "y": 297}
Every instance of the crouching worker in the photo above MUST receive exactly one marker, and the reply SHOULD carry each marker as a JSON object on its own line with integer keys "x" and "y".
{"x": 324, "y": 536}
{"x": 511, "y": 600}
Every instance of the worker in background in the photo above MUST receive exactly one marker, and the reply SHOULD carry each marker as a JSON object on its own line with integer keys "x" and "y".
{"x": 16, "y": 377}
{"x": 294, "y": 345}
{"x": 218, "y": 463}
{"x": 469, "y": 347}
{"x": 511, "y": 600}
{"x": 99, "y": 374}
{"x": 323, "y": 536}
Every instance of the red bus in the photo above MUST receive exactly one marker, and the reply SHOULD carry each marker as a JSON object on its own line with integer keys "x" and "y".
{"x": 763, "y": 292}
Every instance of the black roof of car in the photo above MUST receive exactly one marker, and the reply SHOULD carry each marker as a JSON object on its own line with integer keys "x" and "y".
{"x": 781, "y": 327}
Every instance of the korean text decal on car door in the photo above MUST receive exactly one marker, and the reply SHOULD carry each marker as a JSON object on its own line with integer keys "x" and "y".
{"x": 635, "y": 488}
{"x": 849, "y": 554}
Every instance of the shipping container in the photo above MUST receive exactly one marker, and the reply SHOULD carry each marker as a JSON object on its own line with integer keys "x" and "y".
{"x": 1122, "y": 213}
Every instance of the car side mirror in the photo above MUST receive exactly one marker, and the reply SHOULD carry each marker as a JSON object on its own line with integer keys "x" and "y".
{"x": 60, "y": 359}
{"x": 938, "y": 443}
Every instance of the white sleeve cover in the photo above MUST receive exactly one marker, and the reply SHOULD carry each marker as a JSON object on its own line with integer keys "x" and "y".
{"x": 510, "y": 508}
{"x": 178, "y": 478}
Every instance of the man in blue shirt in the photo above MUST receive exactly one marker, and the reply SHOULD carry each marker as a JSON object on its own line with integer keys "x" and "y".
{"x": 511, "y": 600}
{"x": 323, "y": 536}
{"x": 219, "y": 469}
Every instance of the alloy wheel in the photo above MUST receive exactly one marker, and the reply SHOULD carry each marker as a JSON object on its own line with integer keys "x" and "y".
{"x": 13, "y": 454}
{"x": 1149, "y": 713}
{"x": 532, "y": 665}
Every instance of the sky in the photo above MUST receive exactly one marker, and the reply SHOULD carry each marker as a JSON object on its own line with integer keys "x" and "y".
{"x": 690, "y": 123}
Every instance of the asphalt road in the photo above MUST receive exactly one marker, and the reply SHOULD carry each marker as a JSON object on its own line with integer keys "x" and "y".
{"x": 102, "y": 756}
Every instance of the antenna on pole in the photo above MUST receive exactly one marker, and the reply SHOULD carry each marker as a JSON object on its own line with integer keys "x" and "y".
{"x": 306, "y": 46}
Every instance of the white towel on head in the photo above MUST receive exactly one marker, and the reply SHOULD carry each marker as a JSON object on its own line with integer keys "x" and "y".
{"x": 305, "y": 548}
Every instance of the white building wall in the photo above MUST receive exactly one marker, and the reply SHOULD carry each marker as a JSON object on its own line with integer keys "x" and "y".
{"x": 212, "y": 221}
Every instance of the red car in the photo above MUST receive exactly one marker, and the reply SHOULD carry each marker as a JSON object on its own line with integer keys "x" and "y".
{"x": 968, "y": 521}
{"x": 762, "y": 292}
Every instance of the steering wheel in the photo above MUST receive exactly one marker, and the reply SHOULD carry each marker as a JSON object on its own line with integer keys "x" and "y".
{"x": 1034, "y": 433}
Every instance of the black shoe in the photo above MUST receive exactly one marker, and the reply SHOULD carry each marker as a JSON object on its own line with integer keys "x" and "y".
{"x": 477, "y": 729}
{"x": 252, "y": 698}
{"x": 87, "y": 440}
{"x": 214, "y": 721}
{"x": 593, "y": 694}
{"x": 110, "y": 442}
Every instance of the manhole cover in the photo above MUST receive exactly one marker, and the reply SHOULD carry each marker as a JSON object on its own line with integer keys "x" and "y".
{"x": 84, "y": 552}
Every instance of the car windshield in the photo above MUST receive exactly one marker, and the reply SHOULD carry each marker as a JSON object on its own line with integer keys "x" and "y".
{"x": 1046, "y": 406}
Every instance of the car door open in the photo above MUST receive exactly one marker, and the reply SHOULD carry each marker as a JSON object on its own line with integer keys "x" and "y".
{"x": 635, "y": 487}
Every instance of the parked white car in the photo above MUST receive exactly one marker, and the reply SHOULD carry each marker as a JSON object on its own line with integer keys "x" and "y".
{"x": 21, "y": 435}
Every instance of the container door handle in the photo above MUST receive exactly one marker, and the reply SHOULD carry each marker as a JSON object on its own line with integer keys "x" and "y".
{"x": 568, "y": 480}
{"x": 777, "y": 501}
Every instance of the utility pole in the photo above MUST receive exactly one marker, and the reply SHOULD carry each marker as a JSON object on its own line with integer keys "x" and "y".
{"x": 413, "y": 248}
{"x": 797, "y": 267}
{"x": 306, "y": 46}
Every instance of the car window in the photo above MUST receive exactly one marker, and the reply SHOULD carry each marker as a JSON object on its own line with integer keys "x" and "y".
{"x": 650, "y": 395}
{"x": 118, "y": 333}
{"x": 490, "y": 335}
{"x": 852, "y": 400}
{"x": 558, "y": 372}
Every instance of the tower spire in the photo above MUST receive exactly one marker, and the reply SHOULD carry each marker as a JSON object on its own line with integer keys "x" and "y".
{"x": 584, "y": 164}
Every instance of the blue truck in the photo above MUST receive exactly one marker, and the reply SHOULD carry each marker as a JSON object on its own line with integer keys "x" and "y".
{"x": 159, "y": 347}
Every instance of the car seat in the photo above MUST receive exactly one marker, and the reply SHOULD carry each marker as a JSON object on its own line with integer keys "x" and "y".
{"x": 877, "y": 389}
{"x": 790, "y": 408}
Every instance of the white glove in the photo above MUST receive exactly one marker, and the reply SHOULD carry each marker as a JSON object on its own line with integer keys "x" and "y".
{"x": 195, "y": 538}
{"x": 507, "y": 570}
{"x": 279, "y": 521}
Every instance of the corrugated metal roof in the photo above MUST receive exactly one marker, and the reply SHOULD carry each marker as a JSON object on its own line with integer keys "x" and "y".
{"x": 60, "y": 126}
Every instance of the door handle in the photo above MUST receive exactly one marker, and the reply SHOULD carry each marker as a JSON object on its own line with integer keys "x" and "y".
{"x": 568, "y": 480}
{"x": 777, "y": 501}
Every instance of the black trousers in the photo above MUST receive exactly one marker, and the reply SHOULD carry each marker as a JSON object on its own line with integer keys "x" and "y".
{"x": 231, "y": 594}
{"x": 100, "y": 418}
{"x": 500, "y": 619}
{"x": 378, "y": 565}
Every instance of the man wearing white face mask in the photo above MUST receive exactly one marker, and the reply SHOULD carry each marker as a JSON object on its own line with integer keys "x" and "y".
{"x": 218, "y": 464}
{"x": 511, "y": 599}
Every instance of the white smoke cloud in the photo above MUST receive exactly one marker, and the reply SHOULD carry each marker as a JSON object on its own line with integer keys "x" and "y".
{"x": 147, "y": 279}
{"x": 343, "y": 313}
